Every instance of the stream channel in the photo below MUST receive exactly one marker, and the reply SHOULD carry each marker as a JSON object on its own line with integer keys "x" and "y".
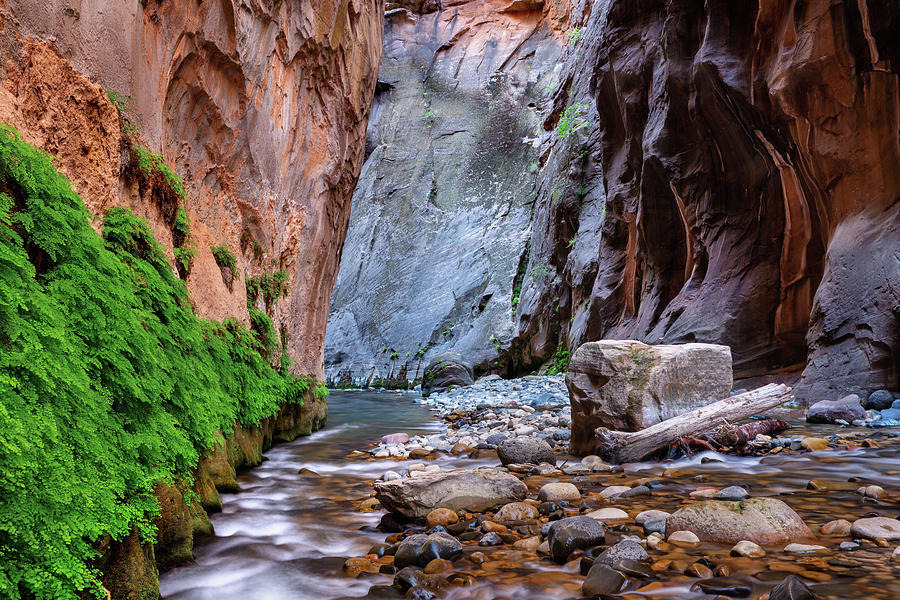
{"x": 287, "y": 534}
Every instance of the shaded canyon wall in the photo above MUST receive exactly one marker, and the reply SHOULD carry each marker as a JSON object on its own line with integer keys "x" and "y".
{"x": 733, "y": 178}
{"x": 441, "y": 217}
{"x": 260, "y": 105}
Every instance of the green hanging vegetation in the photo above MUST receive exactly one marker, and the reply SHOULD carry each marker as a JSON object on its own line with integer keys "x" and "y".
{"x": 271, "y": 286}
{"x": 109, "y": 383}
{"x": 559, "y": 362}
{"x": 224, "y": 257}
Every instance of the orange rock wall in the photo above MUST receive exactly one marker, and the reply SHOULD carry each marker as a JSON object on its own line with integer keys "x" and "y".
{"x": 260, "y": 105}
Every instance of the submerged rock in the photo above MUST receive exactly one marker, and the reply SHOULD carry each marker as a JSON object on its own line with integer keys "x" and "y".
{"x": 792, "y": 588}
{"x": 876, "y": 527}
{"x": 760, "y": 520}
{"x": 472, "y": 490}
{"x": 602, "y": 580}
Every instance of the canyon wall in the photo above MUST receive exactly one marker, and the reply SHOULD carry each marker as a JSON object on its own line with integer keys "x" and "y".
{"x": 723, "y": 172}
{"x": 260, "y": 105}
{"x": 748, "y": 155}
{"x": 441, "y": 217}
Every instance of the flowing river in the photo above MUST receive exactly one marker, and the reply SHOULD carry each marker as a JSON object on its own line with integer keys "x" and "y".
{"x": 287, "y": 534}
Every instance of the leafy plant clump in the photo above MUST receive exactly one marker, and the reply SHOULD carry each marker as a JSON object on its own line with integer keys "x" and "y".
{"x": 560, "y": 361}
{"x": 270, "y": 286}
{"x": 576, "y": 35}
{"x": 150, "y": 162}
{"x": 224, "y": 257}
{"x": 109, "y": 383}
{"x": 572, "y": 120}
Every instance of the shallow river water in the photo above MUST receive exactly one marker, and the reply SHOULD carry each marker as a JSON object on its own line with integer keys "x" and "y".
{"x": 287, "y": 534}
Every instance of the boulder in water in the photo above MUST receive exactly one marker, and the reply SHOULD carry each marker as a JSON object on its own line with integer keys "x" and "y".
{"x": 472, "y": 490}
{"x": 847, "y": 408}
{"x": 759, "y": 520}
{"x": 525, "y": 450}
{"x": 445, "y": 371}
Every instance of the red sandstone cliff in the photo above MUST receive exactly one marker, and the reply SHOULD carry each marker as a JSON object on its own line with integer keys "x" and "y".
{"x": 260, "y": 105}
{"x": 739, "y": 184}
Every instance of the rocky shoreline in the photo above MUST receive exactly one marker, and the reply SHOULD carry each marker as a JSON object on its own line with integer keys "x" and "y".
{"x": 686, "y": 529}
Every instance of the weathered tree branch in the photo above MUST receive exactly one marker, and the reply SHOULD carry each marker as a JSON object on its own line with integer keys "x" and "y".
{"x": 619, "y": 446}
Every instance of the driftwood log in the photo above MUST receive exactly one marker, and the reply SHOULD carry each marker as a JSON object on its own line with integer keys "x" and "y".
{"x": 620, "y": 446}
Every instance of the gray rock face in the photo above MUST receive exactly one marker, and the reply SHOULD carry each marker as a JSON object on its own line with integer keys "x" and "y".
{"x": 759, "y": 520}
{"x": 847, "y": 408}
{"x": 627, "y": 385}
{"x": 474, "y": 490}
{"x": 446, "y": 370}
{"x": 525, "y": 450}
{"x": 442, "y": 213}
{"x": 573, "y": 533}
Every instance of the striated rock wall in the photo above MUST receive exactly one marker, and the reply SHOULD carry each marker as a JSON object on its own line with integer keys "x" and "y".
{"x": 738, "y": 184}
{"x": 261, "y": 106}
{"x": 441, "y": 217}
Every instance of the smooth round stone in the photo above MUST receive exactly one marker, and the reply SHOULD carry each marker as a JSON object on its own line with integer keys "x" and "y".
{"x": 877, "y": 527}
{"x": 879, "y": 400}
{"x": 635, "y": 569}
{"x": 420, "y": 593}
{"x": 439, "y": 545}
{"x": 529, "y": 544}
{"x": 490, "y": 539}
{"x": 558, "y": 491}
{"x": 895, "y": 556}
{"x": 608, "y": 514}
{"x": 724, "y": 586}
{"x": 614, "y": 490}
{"x": 733, "y": 493}
{"x": 573, "y": 533}
{"x": 761, "y": 520}
{"x": 442, "y": 517}
{"x": 836, "y": 528}
{"x": 686, "y": 539}
{"x": 699, "y": 570}
{"x": 626, "y": 549}
{"x": 369, "y": 505}
{"x": 408, "y": 577}
{"x": 489, "y": 526}
{"x": 516, "y": 511}
{"x": 849, "y": 546}
{"x": 438, "y": 565}
{"x": 408, "y": 550}
{"x": 528, "y": 450}
{"x": 655, "y": 526}
{"x": 651, "y": 515}
{"x": 391, "y": 476}
{"x": 354, "y": 567}
{"x": 603, "y": 580}
{"x": 595, "y": 463}
{"x": 792, "y": 588}
{"x": 872, "y": 491}
{"x": 805, "y": 549}
{"x": 748, "y": 549}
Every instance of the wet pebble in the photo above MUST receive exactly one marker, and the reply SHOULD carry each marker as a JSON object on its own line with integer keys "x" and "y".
{"x": 733, "y": 493}
{"x": 603, "y": 580}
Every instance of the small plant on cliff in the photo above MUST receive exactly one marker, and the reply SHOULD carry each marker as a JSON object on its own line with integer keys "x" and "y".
{"x": 271, "y": 286}
{"x": 559, "y": 362}
{"x": 576, "y": 35}
{"x": 539, "y": 271}
{"x": 224, "y": 257}
{"x": 395, "y": 355}
{"x": 149, "y": 162}
{"x": 572, "y": 120}
{"x": 184, "y": 258}
{"x": 125, "y": 106}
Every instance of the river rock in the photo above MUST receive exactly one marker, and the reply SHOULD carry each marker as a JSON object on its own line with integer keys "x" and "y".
{"x": 876, "y": 527}
{"x": 836, "y": 528}
{"x": 629, "y": 549}
{"x": 558, "y": 491}
{"x": 608, "y": 514}
{"x": 847, "y": 408}
{"x": 525, "y": 450}
{"x": 573, "y": 533}
{"x": 438, "y": 545}
{"x": 734, "y": 493}
{"x": 446, "y": 370}
{"x": 516, "y": 511}
{"x": 628, "y": 386}
{"x": 748, "y": 549}
{"x": 442, "y": 517}
{"x": 475, "y": 490}
{"x": 760, "y": 520}
{"x": 408, "y": 551}
{"x": 878, "y": 400}
{"x": 602, "y": 580}
{"x": 395, "y": 438}
{"x": 651, "y": 515}
{"x": 792, "y": 588}
{"x": 684, "y": 538}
